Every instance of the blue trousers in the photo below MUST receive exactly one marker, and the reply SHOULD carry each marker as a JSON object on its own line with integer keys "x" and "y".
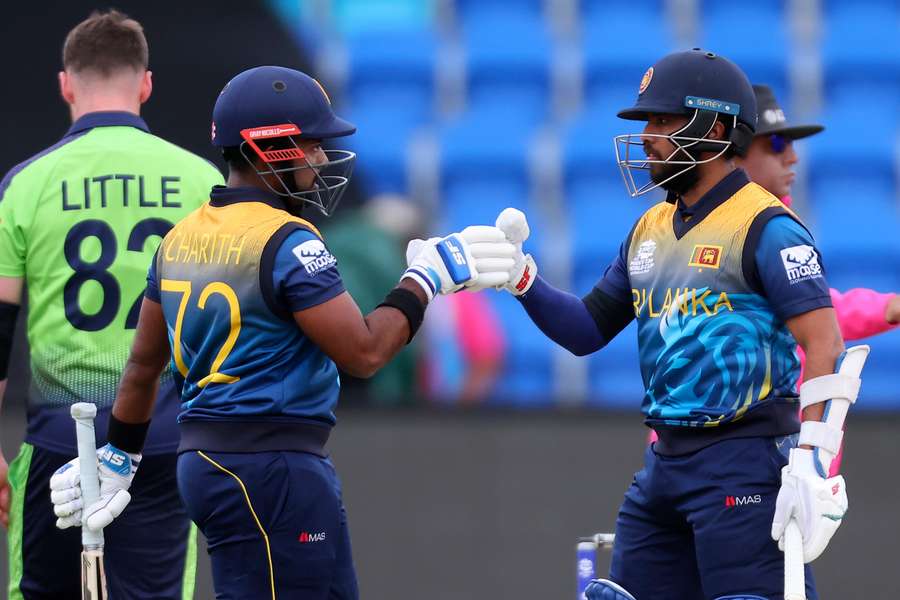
{"x": 274, "y": 523}
{"x": 697, "y": 527}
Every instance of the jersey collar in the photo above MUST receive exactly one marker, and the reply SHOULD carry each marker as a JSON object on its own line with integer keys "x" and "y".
{"x": 107, "y": 118}
{"x": 686, "y": 217}
{"x": 225, "y": 196}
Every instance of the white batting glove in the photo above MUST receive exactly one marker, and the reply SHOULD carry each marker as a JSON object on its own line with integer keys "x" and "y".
{"x": 513, "y": 223}
{"x": 116, "y": 469}
{"x": 477, "y": 257}
{"x": 816, "y": 504}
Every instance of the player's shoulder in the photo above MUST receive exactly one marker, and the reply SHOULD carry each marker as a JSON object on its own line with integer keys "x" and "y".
{"x": 35, "y": 167}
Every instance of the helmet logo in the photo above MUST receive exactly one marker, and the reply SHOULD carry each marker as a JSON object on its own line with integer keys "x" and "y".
{"x": 212, "y": 133}
{"x": 645, "y": 81}
{"x": 253, "y": 134}
{"x": 324, "y": 93}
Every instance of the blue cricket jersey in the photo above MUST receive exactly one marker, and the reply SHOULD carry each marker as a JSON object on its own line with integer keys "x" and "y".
{"x": 711, "y": 287}
{"x": 229, "y": 277}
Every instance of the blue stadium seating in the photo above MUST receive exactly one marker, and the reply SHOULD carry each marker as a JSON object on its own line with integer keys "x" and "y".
{"x": 508, "y": 63}
{"x": 764, "y": 62}
{"x": 614, "y": 373}
{"x": 381, "y": 142}
{"x": 393, "y": 69}
{"x": 621, "y": 41}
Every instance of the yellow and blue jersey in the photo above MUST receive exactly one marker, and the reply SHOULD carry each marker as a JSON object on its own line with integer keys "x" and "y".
{"x": 229, "y": 277}
{"x": 711, "y": 287}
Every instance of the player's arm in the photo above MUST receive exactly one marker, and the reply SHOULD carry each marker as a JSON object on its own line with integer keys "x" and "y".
{"x": 311, "y": 290}
{"x": 361, "y": 345}
{"x": 863, "y": 312}
{"x": 119, "y": 459}
{"x": 580, "y": 325}
{"x": 10, "y": 299}
{"x": 149, "y": 355}
{"x": 16, "y": 214}
{"x": 818, "y": 334}
{"x": 789, "y": 271}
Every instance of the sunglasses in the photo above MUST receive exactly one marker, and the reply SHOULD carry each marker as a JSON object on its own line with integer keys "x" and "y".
{"x": 779, "y": 143}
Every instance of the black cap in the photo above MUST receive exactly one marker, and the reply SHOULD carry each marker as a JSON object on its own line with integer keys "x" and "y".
{"x": 771, "y": 119}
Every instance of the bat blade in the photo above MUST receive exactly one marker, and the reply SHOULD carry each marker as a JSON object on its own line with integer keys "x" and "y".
{"x": 93, "y": 578}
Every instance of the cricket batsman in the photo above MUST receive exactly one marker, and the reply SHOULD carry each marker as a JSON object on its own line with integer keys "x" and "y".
{"x": 724, "y": 281}
{"x": 246, "y": 299}
{"x": 79, "y": 223}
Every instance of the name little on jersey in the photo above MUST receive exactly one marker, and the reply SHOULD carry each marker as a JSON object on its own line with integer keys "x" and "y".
{"x": 120, "y": 189}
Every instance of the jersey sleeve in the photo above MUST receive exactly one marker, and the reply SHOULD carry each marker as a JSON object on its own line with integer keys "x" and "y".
{"x": 152, "y": 291}
{"x": 790, "y": 270}
{"x": 15, "y": 220}
{"x": 304, "y": 272}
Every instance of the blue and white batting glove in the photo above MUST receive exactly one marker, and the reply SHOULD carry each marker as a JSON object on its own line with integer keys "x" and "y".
{"x": 116, "y": 469}
{"x": 816, "y": 503}
{"x": 476, "y": 258}
{"x": 513, "y": 223}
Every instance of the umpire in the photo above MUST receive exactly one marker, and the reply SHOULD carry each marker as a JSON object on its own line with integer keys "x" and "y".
{"x": 79, "y": 222}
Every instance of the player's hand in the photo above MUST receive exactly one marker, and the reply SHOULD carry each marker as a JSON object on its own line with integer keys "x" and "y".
{"x": 513, "y": 223}
{"x": 478, "y": 257}
{"x": 4, "y": 491}
{"x": 116, "y": 469}
{"x": 815, "y": 503}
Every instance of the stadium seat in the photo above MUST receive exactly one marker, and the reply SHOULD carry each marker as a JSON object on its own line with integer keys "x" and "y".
{"x": 508, "y": 61}
{"x": 468, "y": 10}
{"x": 392, "y": 69}
{"x": 879, "y": 388}
{"x": 765, "y": 62}
{"x": 621, "y": 41}
{"x": 381, "y": 141}
{"x": 614, "y": 373}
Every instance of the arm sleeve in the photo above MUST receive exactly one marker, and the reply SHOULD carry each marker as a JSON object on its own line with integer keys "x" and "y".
{"x": 860, "y": 312}
{"x": 583, "y": 326}
{"x": 304, "y": 273}
{"x": 13, "y": 226}
{"x": 789, "y": 267}
{"x": 152, "y": 291}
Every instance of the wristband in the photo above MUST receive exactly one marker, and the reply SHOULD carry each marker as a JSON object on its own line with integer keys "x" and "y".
{"x": 128, "y": 437}
{"x": 409, "y": 304}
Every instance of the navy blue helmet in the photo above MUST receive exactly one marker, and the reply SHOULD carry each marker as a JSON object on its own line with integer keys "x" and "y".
{"x": 705, "y": 88}
{"x": 263, "y": 111}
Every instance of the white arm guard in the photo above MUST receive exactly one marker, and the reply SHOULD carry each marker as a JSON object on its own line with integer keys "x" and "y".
{"x": 838, "y": 391}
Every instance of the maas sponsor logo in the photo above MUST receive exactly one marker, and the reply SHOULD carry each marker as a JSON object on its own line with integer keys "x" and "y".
{"x": 643, "y": 259}
{"x": 735, "y": 501}
{"x": 307, "y": 538}
{"x": 801, "y": 263}
{"x": 314, "y": 256}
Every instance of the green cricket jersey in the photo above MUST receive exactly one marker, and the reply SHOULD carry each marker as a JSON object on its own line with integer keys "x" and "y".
{"x": 81, "y": 222}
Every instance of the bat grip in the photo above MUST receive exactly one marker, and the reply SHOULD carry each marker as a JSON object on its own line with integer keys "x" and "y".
{"x": 794, "y": 575}
{"x": 83, "y": 413}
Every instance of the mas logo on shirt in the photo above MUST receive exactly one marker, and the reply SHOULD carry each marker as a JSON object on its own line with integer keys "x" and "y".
{"x": 314, "y": 256}
{"x": 643, "y": 260}
{"x": 706, "y": 256}
{"x": 801, "y": 263}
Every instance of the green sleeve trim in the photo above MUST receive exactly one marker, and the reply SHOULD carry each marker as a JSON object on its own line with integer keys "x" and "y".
{"x": 190, "y": 565}
{"x": 18, "y": 478}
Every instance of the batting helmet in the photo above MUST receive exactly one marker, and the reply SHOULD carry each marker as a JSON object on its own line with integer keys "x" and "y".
{"x": 262, "y": 111}
{"x": 702, "y": 86}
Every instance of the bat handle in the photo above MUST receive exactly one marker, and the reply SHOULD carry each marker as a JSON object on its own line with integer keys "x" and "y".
{"x": 83, "y": 413}
{"x": 794, "y": 575}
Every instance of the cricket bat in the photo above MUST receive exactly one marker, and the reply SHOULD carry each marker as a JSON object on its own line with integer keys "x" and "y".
{"x": 93, "y": 578}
